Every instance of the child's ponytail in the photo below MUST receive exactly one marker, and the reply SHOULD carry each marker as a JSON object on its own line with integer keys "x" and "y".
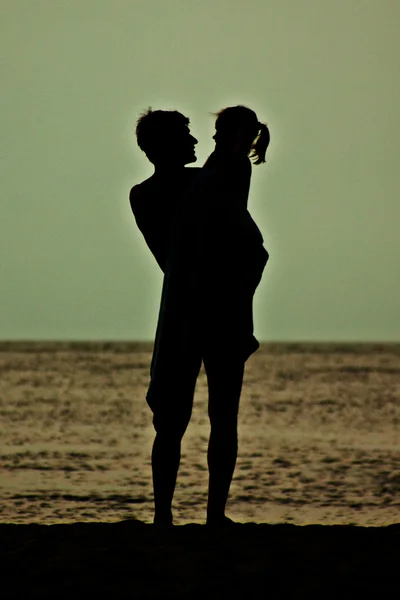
{"x": 260, "y": 145}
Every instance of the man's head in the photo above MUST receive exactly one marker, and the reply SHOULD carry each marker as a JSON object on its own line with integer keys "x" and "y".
{"x": 165, "y": 138}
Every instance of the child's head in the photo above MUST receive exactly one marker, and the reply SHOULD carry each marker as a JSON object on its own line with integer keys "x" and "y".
{"x": 238, "y": 128}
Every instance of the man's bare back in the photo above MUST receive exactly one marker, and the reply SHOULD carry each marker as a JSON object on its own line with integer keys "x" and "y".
{"x": 154, "y": 203}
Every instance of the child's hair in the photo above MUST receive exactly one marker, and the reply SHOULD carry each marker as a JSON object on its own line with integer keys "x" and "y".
{"x": 233, "y": 117}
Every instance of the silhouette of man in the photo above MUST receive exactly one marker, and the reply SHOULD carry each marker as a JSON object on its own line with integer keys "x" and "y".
{"x": 165, "y": 138}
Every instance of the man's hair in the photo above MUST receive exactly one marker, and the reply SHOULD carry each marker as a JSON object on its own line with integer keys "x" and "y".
{"x": 154, "y": 126}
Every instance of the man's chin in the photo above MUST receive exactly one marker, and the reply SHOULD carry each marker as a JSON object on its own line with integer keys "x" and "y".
{"x": 191, "y": 159}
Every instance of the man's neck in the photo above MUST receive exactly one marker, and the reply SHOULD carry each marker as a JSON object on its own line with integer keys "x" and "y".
{"x": 168, "y": 171}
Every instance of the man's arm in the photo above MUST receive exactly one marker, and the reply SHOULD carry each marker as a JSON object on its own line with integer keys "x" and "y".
{"x": 221, "y": 216}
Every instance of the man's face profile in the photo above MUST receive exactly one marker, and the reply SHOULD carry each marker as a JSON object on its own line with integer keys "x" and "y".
{"x": 179, "y": 144}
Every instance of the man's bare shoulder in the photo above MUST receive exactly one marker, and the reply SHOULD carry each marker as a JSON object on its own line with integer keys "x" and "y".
{"x": 138, "y": 192}
{"x": 134, "y": 194}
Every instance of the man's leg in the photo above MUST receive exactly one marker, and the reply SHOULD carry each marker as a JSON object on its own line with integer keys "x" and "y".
{"x": 225, "y": 378}
{"x": 171, "y": 419}
{"x": 165, "y": 459}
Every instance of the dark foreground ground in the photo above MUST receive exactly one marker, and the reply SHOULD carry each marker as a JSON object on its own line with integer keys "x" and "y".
{"x": 131, "y": 559}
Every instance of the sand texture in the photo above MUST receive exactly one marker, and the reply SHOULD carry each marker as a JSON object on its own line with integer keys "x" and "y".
{"x": 318, "y": 436}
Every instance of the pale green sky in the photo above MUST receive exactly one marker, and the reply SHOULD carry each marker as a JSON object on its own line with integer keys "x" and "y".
{"x": 75, "y": 75}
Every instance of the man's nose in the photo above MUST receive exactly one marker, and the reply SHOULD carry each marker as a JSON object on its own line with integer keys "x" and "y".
{"x": 194, "y": 139}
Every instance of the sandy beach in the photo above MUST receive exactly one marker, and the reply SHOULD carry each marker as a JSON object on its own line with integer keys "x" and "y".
{"x": 316, "y": 487}
{"x": 318, "y": 436}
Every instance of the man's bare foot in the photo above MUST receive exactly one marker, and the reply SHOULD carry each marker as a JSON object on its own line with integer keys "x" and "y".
{"x": 163, "y": 519}
{"x": 220, "y": 522}
{"x": 163, "y": 523}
